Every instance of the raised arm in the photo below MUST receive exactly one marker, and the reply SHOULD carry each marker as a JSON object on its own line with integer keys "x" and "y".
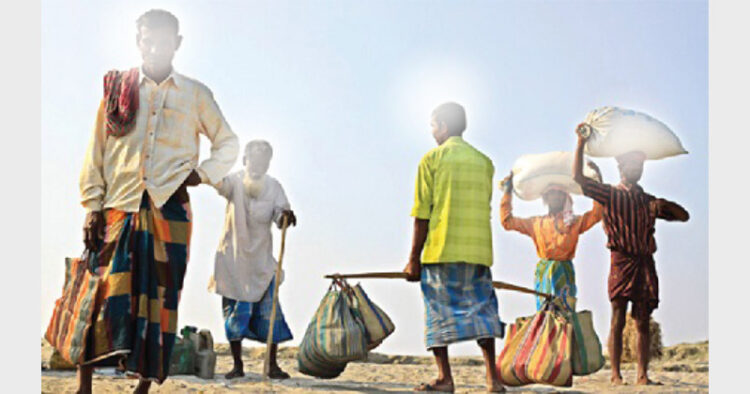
{"x": 596, "y": 190}
{"x": 592, "y": 217}
{"x": 578, "y": 159}
{"x": 507, "y": 220}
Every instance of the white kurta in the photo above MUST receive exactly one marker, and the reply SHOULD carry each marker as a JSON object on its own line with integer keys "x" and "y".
{"x": 244, "y": 264}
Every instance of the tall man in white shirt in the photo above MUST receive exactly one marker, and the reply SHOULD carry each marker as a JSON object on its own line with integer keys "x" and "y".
{"x": 142, "y": 157}
{"x": 244, "y": 268}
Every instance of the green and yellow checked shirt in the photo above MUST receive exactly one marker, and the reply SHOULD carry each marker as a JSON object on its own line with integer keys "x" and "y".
{"x": 454, "y": 191}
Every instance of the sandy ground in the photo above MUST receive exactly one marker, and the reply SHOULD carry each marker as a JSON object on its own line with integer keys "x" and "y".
{"x": 683, "y": 368}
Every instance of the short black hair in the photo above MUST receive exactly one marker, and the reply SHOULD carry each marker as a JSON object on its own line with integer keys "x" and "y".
{"x": 158, "y": 18}
{"x": 453, "y": 115}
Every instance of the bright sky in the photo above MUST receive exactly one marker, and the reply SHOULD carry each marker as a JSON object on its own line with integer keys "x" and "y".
{"x": 343, "y": 91}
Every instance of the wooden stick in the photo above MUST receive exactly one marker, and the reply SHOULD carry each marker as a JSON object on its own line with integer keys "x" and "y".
{"x": 269, "y": 340}
{"x": 370, "y": 275}
{"x": 401, "y": 275}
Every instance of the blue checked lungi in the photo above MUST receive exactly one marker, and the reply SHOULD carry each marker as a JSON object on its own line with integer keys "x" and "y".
{"x": 251, "y": 319}
{"x": 460, "y": 304}
{"x": 551, "y": 277}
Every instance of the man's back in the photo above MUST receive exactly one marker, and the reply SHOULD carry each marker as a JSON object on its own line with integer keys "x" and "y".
{"x": 454, "y": 191}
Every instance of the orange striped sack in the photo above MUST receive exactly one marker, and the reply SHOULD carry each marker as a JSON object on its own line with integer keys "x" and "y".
{"x": 72, "y": 317}
{"x": 538, "y": 350}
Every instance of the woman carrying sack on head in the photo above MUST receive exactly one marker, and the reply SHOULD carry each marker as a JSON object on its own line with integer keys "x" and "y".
{"x": 554, "y": 234}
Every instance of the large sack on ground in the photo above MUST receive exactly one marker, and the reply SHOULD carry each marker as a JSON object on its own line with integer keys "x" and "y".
{"x": 377, "y": 323}
{"x": 335, "y": 335}
{"x": 587, "y": 349}
{"x": 538, "y": 349}
{"x": 615, "y": 131}
{"x": 533, "y": 173}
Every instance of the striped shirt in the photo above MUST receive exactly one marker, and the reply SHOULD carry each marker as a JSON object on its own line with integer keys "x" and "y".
{"x": 629, "y": 216}
{"x": 453, "y": 191}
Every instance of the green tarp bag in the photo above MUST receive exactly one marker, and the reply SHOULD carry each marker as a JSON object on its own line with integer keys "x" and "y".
{"x": 335, "y": 335}
{"x": 377, "y": 324}
{"x": 587, "y": 350}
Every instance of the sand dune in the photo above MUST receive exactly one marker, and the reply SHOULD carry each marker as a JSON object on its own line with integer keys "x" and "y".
{"x": 683, "y": 368}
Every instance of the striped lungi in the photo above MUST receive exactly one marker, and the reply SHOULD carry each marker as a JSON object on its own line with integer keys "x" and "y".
{"x": 460, "y": 304}
{"x": 551, "y": 277}
{"x": 251, "y": 320}
{"x": 142, "y": 264}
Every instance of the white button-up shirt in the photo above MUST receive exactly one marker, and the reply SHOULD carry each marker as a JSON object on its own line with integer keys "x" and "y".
{"x": 244, "y": 264}
{"x": 161, "y": 150}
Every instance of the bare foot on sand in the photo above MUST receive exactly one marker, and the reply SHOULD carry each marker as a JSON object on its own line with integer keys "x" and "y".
{"x": 236, "y": 372}
{"x": 436, "y": 385}
{"x": 142, "y": 387}
{"x": 617, "y": 381}
{"x": 496, "y": 387}
{"x": 648, "y": 382}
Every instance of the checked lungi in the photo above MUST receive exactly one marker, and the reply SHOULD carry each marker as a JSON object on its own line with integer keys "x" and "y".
{"x": 251, "y": 320}
{"x": 551, "y": 277}
{"x": 142, "y": 264}
{"x": 460, "y": 304}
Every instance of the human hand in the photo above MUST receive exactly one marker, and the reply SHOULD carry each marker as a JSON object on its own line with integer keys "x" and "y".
{"x": 507, "y": 183}
{"x": 290, "y": 218}
{"x": 583, "y": 131}
{"x": 413, "y": 271}
{"x": 93, "y": 230}
{"x": 194, "y": 179}
{"x": 596, "y": 169}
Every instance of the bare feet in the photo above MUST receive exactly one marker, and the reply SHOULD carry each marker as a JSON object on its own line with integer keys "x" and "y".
{"x": 277, "y": 373}
{"x": 236, "y": 372}
{"x": 142, "y": 387}
{"x": 616, "y": 380}
{"x": 496, "y": 387}
{"x": 436, "y": 385}
{"x": 645, "y": 381}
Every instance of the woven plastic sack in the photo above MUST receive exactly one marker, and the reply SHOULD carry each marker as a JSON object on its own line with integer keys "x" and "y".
{"x": 587, "y": 349}
{"x": 377, "y": 324}
{"x": 615, "y": 131}
{"x": 334, "y": 336}
{"x": 72, "y": 317}
{"x": 533, "y": 173}
{"x": 538, "y": 350}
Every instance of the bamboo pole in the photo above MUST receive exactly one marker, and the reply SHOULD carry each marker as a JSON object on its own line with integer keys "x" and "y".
{"x": 401, "y": 275}
{"x": 269, "y": 339}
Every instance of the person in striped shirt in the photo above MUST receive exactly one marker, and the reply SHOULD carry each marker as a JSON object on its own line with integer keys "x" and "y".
{"x": 629, "y": 222}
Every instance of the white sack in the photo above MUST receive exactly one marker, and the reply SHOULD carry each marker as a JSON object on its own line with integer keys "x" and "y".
{"x": 532, "y": 174}
{"x": 617, "y": 131}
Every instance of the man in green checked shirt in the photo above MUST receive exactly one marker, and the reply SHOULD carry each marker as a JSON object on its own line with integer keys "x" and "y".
{"x": 452, "y": 247}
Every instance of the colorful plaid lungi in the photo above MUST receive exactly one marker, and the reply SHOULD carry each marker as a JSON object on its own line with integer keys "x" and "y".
{"x": 551, "y": 277}
{"x": 142, "y": 264}
{"x": 460, "y": 304}
{"x": 251, "y": 319}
